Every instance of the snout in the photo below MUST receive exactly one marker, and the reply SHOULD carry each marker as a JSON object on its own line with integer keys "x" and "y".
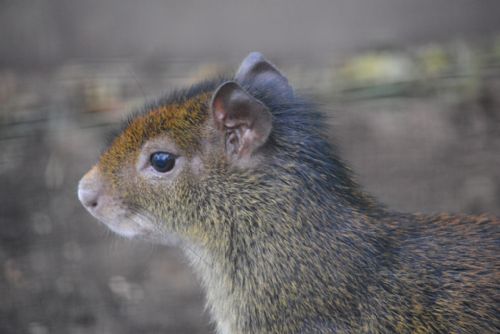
{"x": 100, "y": 203}
{"x": 90, "y": 190}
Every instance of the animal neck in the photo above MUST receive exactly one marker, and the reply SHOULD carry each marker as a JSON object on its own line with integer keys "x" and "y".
{"x": 272, "y": 255}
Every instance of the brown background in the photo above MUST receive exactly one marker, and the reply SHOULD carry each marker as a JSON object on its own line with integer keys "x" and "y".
{"x": 70, "y": 71}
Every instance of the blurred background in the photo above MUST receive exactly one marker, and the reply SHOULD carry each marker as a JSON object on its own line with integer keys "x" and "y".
{"x": 412, "y": 89}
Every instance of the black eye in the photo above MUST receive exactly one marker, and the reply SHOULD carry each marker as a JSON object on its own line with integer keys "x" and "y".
{"x": 162, "y": 161}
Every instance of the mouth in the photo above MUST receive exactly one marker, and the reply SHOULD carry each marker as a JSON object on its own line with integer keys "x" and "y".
{"x": 124, "y": 224}
{"x": 136, "y": 227}
{"x": 124, "y": 228}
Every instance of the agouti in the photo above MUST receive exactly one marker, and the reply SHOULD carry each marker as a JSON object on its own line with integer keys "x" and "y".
{"x": 241, "y": 176}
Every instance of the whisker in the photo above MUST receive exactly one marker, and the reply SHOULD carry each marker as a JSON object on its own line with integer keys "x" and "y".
{"x": 137, "y": 215}
{"x": 132, "y": 73}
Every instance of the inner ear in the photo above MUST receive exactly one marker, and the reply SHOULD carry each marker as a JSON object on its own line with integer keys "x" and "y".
{"x": 245, "y": 121}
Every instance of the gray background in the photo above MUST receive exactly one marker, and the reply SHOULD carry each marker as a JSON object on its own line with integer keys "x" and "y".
{"x": 51, "y": 31}
{"x": 420, "y": 138}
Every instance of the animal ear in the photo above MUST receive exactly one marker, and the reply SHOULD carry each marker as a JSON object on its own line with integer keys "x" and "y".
{"x": 245, "y": 121}
{"x": 257, "y": 72}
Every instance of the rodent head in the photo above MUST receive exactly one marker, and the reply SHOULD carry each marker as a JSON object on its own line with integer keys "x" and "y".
{"x": 154, "y": 180}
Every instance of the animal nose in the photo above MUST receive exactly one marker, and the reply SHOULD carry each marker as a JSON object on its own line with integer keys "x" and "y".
{"x": 89, "y": 190}
{"x": 88, "y": 197}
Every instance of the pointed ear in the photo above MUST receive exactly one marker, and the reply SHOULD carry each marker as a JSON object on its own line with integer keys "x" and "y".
{"x": 256, "y": 71}
{"x": 245, "y": 121}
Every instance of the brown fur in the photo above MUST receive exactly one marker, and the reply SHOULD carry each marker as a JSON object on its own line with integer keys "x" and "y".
{"x": 289, "y": 243}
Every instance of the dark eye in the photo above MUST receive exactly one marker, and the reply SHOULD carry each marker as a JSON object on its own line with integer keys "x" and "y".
{"x": 162, "y": 161}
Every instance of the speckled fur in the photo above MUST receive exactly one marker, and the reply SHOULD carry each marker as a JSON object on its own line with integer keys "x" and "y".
{"x": 292, "y": 245}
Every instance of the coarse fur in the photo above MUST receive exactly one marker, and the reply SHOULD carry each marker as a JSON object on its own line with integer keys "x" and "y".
{"x": 282, "y": 238}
